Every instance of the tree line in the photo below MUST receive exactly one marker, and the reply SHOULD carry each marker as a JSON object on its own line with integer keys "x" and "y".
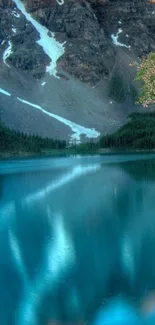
{"x": 137, "y": 133}
{"x": 15, "y": 141}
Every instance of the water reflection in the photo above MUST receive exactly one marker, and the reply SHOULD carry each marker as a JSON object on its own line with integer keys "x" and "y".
{"x": 140, "y": 170}
{"x": 74, "y": 237}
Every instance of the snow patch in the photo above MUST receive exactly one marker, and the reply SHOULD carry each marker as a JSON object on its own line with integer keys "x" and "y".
{"x": 4, "y": 92}
{"x": 43, "y": 83}
{"x": 14, "y": 30}
{"x": 115, "y": 39}
{"x": 51, "y": 47}
{"x": 14, "y": 13}
{"x": 60, "y": 2}
{"x": 77, "y": 129}
{"x": 2, "y": 42}
{"x": 7, "y": 53}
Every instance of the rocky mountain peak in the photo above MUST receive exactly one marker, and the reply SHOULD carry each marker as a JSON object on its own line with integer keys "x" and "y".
{"x": 91, "y": 29}
{"x": 89, "y": 43}
{"x": 32, "y": 5}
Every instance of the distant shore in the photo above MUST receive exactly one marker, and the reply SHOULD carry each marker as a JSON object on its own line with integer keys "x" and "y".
{"x": 74, "y": 152}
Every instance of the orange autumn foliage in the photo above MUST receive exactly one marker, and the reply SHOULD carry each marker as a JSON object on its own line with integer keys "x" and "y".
{"x": 146, "y": 74}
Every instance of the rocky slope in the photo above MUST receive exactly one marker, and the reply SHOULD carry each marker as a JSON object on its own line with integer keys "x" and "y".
{"x": 95, "y": 43}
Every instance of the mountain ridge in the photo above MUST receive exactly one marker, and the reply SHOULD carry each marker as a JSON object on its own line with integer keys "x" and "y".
{"x": 100, "y": 39}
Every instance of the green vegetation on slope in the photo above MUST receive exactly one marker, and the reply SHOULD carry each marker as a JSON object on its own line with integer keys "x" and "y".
{"x": 137, "y": 133}
{"x": 146, "y": 74}
{"x": 16, "y": 142}
{"x": 119, "y": 90}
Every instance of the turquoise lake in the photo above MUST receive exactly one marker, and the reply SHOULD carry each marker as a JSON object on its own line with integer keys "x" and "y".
{"x": 75, "y": 232}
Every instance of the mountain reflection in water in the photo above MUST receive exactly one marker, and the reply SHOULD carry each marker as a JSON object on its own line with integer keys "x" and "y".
{"x": 74, "y": 237}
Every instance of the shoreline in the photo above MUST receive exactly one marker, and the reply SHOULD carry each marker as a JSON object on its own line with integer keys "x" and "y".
{"x": 71, "y": 152}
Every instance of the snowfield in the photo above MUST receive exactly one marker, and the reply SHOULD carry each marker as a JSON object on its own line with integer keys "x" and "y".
{"x": 115, "y": 39}
{"x": 4, "y": 92}
{"x": 77, "y": 129}
{"x": 51, "y": 47}
{"x": 7, "y": 53}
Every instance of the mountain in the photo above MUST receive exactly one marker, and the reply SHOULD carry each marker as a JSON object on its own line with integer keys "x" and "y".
{"x": 67, "y": 66}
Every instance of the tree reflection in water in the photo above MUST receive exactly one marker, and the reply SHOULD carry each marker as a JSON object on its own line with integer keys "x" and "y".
{"x": 75, "y": 241}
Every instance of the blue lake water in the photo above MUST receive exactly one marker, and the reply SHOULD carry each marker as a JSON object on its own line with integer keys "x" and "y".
{"x": 74, "y": 233}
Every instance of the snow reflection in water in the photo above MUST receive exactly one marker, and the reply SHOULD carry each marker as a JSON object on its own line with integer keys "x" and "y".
{"x": 78, "y": 235}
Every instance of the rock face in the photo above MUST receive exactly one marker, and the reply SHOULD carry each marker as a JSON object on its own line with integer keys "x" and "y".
{"x": 86, "y": 27}
{"x": 135, "y": 17}
{"x": 4, "y": 3}
{"x": 26, "y": 55}
{"x": 32, "y": 5}
{"x": 101, "y": 39}
{"x": 89, "y": 53}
